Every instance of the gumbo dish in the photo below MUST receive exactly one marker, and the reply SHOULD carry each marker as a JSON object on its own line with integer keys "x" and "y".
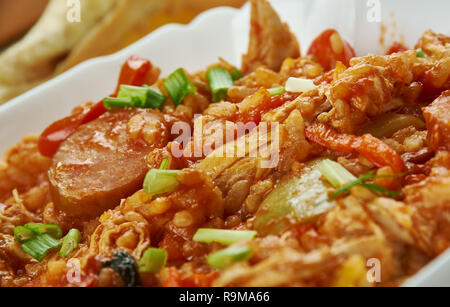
{"x": 321, "y": 169}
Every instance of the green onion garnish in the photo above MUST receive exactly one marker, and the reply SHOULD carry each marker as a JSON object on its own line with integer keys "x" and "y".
{"x": 23, "y": 234}
{"x": 236, "y": 74}
{"x": 122, "y": 102}
{"x": 70, "y": 242}
{"x": 137, "y": 93}
{"x": 361, "y": 181}
{"x": 228, "y": 256}
{"x": 335, "y": 173}
{"x": 223, "y": 236}
{"x": 164, "y": 164}
{"x": 178, "y": 86}
{"x": 276, "y": 91}
{"x": 162, "y": 180}
{"x": 53, "y": 230}
{"x": 219, "y": 82}
{"x": 142, "y": 96}
{"x": 38, "y": 246}
{"x": 153, "y": 260}
{"x": 419, "y": 53}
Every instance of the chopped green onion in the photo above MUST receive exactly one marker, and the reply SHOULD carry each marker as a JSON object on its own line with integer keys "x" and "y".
{"x": 138, "y": 94}
{"x": 164, "y": 164}
{"x": 223, "y": 236}
{"x": 228, "y": 256}
{"x": 153, "y": 260}
{"x": 126, "y": 267}
{"x": 143, "y": 97}
{"x": 155, "y": 100}
{"x": 335, "y": 173}
{"x": 70, "y": 242}
{"x": 38, "y": 246}
{"x": 419, "y": 53}
{"x": 23, "y": 234}
{"x": 159, "y": 181}
{"x": 276, "y": 91}
{"x": 178, "y": 86}
{"x": 236, "y": 74}
{"x": 379, "y": 190}
{"x": 53, "y": 230}
{"x": 122, "y": 102}
{"x": 219, "y": 82}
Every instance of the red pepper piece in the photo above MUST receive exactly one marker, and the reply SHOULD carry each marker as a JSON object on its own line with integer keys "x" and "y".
{"x": 134, "y": 72}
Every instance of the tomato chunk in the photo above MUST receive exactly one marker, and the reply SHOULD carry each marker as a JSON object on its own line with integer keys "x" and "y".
{"x": 329, "y": 47}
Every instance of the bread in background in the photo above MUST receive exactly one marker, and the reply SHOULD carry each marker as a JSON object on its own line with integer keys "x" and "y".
{"x": 54, "y": 45}
{"x": 15, "y": 20}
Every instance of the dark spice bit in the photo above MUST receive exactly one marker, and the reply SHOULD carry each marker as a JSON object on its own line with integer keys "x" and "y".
{"x": 126, "y": 267}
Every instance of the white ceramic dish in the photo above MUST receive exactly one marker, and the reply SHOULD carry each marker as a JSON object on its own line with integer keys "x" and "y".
{"x": 223, "y": 32}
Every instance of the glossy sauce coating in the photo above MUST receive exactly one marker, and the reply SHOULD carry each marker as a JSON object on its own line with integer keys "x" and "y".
{"x": 100, "y": 164}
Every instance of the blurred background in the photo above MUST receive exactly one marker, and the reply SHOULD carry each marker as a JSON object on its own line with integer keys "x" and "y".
{"x": 38, "y": 40}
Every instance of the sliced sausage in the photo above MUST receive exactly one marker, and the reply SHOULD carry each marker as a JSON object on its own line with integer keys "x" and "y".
{"x": 104, "y": 161}
{"x": 437, "y": 118}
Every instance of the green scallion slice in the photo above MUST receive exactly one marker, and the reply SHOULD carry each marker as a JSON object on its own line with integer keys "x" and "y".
{"x": 178, "y": 86}
{"x": 53, "y": 230}
{"x": 219, "y": 82}
{"x": 419, "y": 53}
{"x": 159, "y": 181}
{"x": 122, "y": 102}
{"x": 153, "y": 260}
{"x": 23, "y": 234}
{"x": 236, "y": 74}
{"x": 70, "y": 242}
{"x": 276, "y": 91}
{"x": 223, "y": 236}
{"x": 335, "y": 173}
{"x": 38, "y": 246}
{"x": 138, "y": 94}
{"x": 225, "y": 257}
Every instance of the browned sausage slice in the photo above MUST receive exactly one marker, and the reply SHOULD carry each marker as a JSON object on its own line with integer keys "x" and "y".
{"x": 104, "y": 161}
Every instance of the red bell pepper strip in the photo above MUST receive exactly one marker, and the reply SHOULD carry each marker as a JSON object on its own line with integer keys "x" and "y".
{"x": 373, "y": 149}
{"x": 134, "y": 72}
{"x": 329, "y": 47}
